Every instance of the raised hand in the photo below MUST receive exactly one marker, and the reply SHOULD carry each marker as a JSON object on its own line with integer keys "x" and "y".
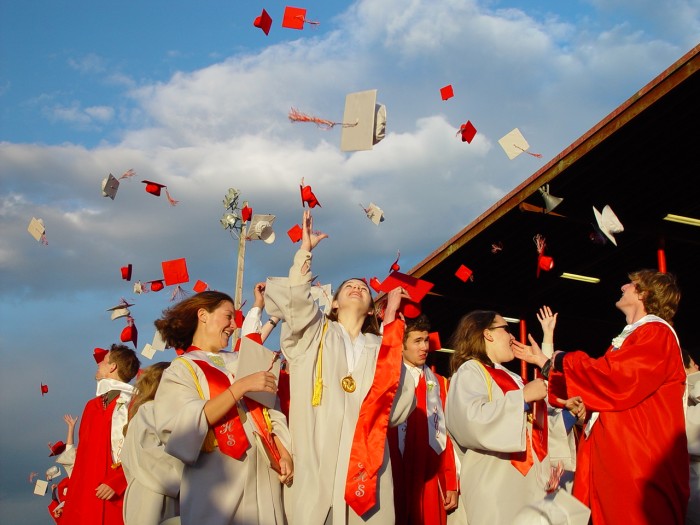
{"x": 547, "y": 319}
{"x": 310, "y": 238}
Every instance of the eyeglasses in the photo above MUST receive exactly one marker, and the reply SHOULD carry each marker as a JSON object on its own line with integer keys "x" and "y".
{"x": 504, "y": 326}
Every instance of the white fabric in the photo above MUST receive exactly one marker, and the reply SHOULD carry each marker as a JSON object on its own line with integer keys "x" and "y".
{"x": 252, "y": 324}
{"x": 153, "y": 476}
{"x": 692, "y": 427}
{"x": 437, "y": 434}
{"x": 322, "y": 435}
{"x": 121, "y": 412}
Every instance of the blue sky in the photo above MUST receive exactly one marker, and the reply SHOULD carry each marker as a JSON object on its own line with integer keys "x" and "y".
{"x": 193, "y": 96}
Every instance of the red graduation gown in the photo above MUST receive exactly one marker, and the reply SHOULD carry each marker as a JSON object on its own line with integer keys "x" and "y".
{"x": 94, "y": 466}
{"x": 416, "y": 474}
{"x": 633, "y": 467}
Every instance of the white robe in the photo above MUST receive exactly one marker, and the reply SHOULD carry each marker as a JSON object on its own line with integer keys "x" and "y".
{"x": 322, "y": 435}
{"x": 492, "y": 490}
{"x": 216, "y": 489}
{"x": 692, "y": 427}
{"x": 153, "y": 476}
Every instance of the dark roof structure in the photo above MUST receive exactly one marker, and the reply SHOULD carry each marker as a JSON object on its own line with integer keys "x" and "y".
{"x": 643, "y": 160}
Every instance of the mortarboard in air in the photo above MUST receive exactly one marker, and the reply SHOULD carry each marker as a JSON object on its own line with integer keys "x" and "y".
{"x": 447, "y": 92}
{"x": 295, "y": 18}
{"x": 416, "y": 289}
{"x": 110, "y": 186}
{"x": 513, "y": 143}
{"x": 156, "y": 286}
{"x": 154, "y": 188}
{"x": 463, "y": 273}
{"x": 126, "y": 272}
{"x": 139, "y": 288}
{"x": 254, "y": 357}
{"x": 295, "y": 233}
{"x": 364, "y": 121}
{"x": 130, "y": 333}
{"x": 374, "y": 213}
{"x": 246, "y": 213}
{"x": 53, "y": 472}
{"x": 467, "y": 131}
{"x": 157, "y": 345}
{"x": 40, "y": 487}
{"x": 608, "y": 223}
{"x": 99, "y": 354}
{"x": 57, "y": 448}
{"x": 37, "y": 230}
{"x": 44, "y": 389}
{"x": 120, "y": 310}
{"x": 261, "y": 228}
{"x": 264, "y": 22}
{"x": 544, "y": 262}
{"x": 395, "y": 265}
{"x": 200, "y": 286}
{"x": 175, "y": 271}
{"x": 375, "y": 284}
{"x": 307, "y": 196}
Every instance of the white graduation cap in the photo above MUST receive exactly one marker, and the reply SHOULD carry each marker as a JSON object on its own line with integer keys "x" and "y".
{"x": 254, "y": 357}
{"x": 36, "y": 228}
{"x": 608, "y": 223}
{"x": 364, "y": 121}
{"x": 53, "y": 472}
{"x": 110, "y": 186}
{"x": 374, "y": 213}
{"x": 157, "y": 345}
{"x": 513, "y": 143}
{"x": 261, "y": 228}
{"x": 40, "y": 487}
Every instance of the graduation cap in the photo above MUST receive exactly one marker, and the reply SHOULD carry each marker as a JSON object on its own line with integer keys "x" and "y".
{"x": 139, "y": 288}
{"x": 110, "y": 186}
{"x": 53, "y": 472}
{"x": 254, "y": 357}
{"x": 157, "y": 345}
{"x": 40, "y": 487}
{"x": 544, "y": 262}
{"x": 447, "y": 92}
{"x": 295, "y": 233}
{"x": 156, "y": 286}
{"x": 395, "y": 265}
{"x": 295, "y": 18}
{"x": 417, "y": 289}
{"x": 264, "y": 22}
{"x": 37, "y": 230}
{"x": 200, "y": 286}
{"x": 57, "y": 448}
{"x": 513, "y": 143}
{"x": 130, "y": 333}
{"x": 463, "y": 273}
{"x": 364, "y": 121}
{"x": 307, "y": 196}
{"x": 246, "y": 213}
{"x": 467, "y": 131}
{"x": 154, "y": 188}
{"x": 608, "y": 223}
{"x": 120, "y": 310}
{"x": 374, "y": 213}
{"x": 175, "y": 272}
{"x": 126, "y": 272}
{"x": 44, "y": 389}
{"x": 99, "y": 354}
{"x": 375, "y": 284}
{"x": 261, "y": 228}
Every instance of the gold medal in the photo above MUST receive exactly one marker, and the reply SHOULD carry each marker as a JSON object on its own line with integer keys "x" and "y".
{"x": 348, "y": 384}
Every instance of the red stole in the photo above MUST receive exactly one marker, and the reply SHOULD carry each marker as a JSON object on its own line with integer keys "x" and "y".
{"x": 369, "y": 441}
{"x": 229, "y": 433}
{"x": 523, "y": 460}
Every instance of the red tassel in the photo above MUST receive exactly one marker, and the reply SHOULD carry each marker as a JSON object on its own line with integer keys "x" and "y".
{"x": 297, "y": 116}
{"x": 172, "y": 201}
{"x": 127, "y": 174}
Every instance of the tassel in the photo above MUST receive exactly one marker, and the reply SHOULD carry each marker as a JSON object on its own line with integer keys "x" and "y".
{"x": 537, "y": 155}
{"x": 296, "y": 116}
{"x": 318, "y": 384}
{"x": 172, "y": 201}
{"x": 127, "y": 174}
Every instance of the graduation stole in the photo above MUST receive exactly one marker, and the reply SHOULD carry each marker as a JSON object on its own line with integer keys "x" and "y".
{"x": 369, "y": 440}
{"x": 229, "y": 433}
{"x": 522, "y": 461}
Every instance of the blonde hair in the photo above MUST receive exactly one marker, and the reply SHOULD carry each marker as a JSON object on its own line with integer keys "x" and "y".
{"x": 146, "y": 386}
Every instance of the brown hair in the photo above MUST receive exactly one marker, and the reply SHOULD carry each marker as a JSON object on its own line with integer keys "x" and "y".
{"x": 126, "y": 361}
{"x": 146, "y": 386}
{"x": 661, "y": 293}
{"x": 179, "y": 322}
{"x": 417, "y": 324}
{"x": 468, "y": 338}
{"x": 371, "y": 322}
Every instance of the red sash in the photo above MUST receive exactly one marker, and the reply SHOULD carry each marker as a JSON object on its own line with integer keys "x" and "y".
{"x": 369, "y": 441}
{"x": 229, "y": 433}
{"x": 523, "y": 460}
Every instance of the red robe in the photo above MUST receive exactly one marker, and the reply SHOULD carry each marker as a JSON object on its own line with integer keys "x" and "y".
{"x": 94, "y": 466}
{"x": 416, "y": 474}
{"x": 633, "y": 467}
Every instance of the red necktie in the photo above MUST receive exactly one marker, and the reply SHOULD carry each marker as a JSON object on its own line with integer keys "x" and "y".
{"x": 367, "y": 452}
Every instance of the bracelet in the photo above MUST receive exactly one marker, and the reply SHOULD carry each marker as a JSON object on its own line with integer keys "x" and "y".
{"x": 273, "y": 323}
{"x": 235, "y": 401}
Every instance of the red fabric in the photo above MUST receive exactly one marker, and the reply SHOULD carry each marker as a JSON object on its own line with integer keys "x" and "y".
{"x": 367, "y": 452}
{"x": 283, "y": 392}
{"x": 633, "y": 467}
{"x": 419, "y": 480}
{"x": 93, "y": 466}
{"x": 229, "y": 433}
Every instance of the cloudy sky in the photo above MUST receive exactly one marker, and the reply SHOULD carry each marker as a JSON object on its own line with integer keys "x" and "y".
{"x": 193, "y": 96}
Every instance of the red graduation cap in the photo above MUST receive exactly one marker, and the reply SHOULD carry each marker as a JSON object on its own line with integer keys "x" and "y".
{"x": 395, "y": 265}
{"x": 264, "y": 22}
{"x": 295, "y": 17}
{"x": 200, "y": 286}
{"x": 307, "y": 196}
{"x": 467, "y": 131}
{"x": 57, "y": 448}
{"x": 463, "y": 273}
{"x": 130, "y": 333}
{"x": 175, "y": 272}
{"x": 126, "y": 272}
{"x": 417, "y": 289}
{"x": 157, "y": 285}
{"x": 154, "y": 189}
{"x": 99, "y": 354}
{"x": 246, "y": 213}
{"x": 295, "y": 233}
{"x": 375, "y": 284}
{"x": 434, "y": 341}
{"x": 544, "y": 262}
{"x": 447, "y": 92}
{"x": 44, "y": 389}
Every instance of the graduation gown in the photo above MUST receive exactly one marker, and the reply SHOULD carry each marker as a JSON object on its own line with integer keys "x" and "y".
{"x": 216, "y": 489}
{"x": 421, "y": 475}
{"x": 153, "y": 476}
{"x": 633, "y": 466}
{"x": 322, "y": 435}
{"x": 94, "y": 466}
{"x": 492, "y": 490}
